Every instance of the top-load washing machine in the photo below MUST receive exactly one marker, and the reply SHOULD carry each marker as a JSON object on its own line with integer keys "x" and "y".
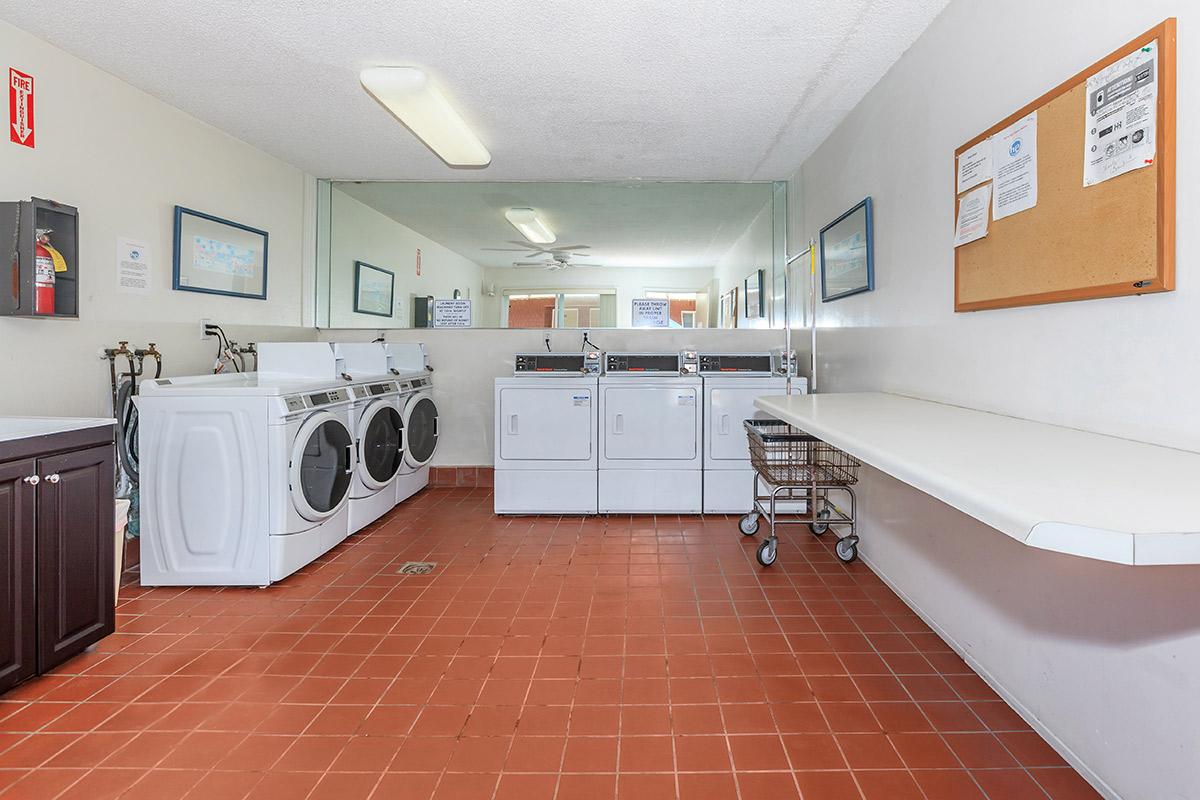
{"x": 546, "y": 435}
{"x": 409, "y": 364}
{"x": 732, "y": 382}
{"x": 650, "y": 457}
{"x": 244, "y": 479}
{"x": 377, "y": 419}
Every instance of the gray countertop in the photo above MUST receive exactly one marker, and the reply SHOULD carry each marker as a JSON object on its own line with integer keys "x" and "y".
{"x": 13, "y": 428}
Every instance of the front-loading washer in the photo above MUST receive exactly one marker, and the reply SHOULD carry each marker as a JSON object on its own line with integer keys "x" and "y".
{"x": 651, "y": 457}
{"x": 377, "y": 417}
{"x": 408, "y": 363}
{"x": 244, "y": 479}
{"x": 419, "y": 421}
{"x": 546, "y": 435}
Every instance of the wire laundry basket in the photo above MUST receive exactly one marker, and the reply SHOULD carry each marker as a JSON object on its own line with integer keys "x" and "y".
{"x": 784, "y": 454}
{"x": 797, "y": 475}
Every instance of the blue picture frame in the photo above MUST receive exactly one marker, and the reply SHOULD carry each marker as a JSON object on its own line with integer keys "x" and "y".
{"x": 236, "y": 238}
{"x": 848, "y": 261}
{"x": 359, "y": 307}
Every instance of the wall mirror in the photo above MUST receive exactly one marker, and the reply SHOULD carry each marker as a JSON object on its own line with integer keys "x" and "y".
{"x": 552, "y": 255}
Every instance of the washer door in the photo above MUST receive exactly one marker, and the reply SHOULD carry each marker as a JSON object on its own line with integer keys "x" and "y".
{"x": 380, "y": 444}
{"x": 322, "y": 466}
{"x": 420, "y": 430}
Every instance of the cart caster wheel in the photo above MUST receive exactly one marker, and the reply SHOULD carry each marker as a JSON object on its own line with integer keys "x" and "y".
{"x": 847, "y": 549}
{"x": 820, "y": 528}
{"x": 767, "y": 552}
{"x": 748, "y": 524}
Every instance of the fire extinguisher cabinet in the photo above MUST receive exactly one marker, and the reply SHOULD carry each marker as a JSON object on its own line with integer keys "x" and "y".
{"x": 25, "y": 293}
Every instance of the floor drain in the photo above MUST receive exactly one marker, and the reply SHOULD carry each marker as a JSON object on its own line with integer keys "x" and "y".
{"x": 416, "y": 568}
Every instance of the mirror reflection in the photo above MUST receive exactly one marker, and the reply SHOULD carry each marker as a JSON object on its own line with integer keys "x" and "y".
{"x": 551, "y": 255}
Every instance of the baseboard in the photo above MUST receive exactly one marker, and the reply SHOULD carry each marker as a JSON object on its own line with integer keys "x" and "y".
{"x": 1059, "y": 746}
{"x": 469, "y": 477}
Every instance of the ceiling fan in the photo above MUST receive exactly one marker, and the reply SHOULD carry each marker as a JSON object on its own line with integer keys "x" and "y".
{"x": 556, "y": 262}
{"x": 533, "y": 250}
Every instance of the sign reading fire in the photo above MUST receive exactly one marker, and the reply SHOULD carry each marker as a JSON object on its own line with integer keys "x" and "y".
{"x": 20, "y": 107}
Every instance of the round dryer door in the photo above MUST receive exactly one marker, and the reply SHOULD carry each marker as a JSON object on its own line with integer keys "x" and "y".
{"x": 380, "y": 444}
{"x": 322, "y": 466}
{"x": 420, "y": 430}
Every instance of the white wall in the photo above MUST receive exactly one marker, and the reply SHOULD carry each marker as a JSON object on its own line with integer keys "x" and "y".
{"x": 753, "y": 250}
{"x": 125, "y": 160}
{"x": 629, "y": 282}
{"x": 466, "y": 362}
{"x": 360, "y": 233}
{"x": 1098, "y": 656}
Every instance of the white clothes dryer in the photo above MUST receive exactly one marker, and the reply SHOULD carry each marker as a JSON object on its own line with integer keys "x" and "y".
{"x": 546, "y": 435}
{"x": 244, "y": 480}
{"x": 651, "y": 457}
{"x": 732, "y": 382}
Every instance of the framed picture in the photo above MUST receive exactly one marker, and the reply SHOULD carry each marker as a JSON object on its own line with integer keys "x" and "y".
{"x": 848, "y": 254}
{"x": 753, "y": 291}
{"x": 216, "y": 256}
{"x": 374, "y": 289}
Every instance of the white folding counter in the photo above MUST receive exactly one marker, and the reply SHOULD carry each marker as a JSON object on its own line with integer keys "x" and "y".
{"x": 1044, "y": 485}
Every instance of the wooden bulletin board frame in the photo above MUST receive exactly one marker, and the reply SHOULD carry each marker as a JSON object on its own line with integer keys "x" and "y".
{"x": 1069, "y": 246}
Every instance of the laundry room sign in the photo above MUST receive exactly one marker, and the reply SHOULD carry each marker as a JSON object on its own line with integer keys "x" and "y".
{"x": 451, "y": 313}
{"x": 20, "y": 108}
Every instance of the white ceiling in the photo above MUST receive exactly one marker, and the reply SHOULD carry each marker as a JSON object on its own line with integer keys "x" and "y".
{"x": 607, "y": 89}
{"x": 632, "y": 224}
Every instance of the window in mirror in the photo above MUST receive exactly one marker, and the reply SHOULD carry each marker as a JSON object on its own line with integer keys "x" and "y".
{"x": 683, "y": 307}
{"x": 561, "y": 310}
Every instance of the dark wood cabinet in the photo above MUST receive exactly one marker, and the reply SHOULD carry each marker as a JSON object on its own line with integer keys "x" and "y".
{"x": 56, "y": 550}
{"x": 18, "y": 602}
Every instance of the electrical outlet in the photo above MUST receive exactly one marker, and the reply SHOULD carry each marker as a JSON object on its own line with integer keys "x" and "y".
{"x": 204, "y": 334}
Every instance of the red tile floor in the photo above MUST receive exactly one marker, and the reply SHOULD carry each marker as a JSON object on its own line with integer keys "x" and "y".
{"x": 570, "y": 658}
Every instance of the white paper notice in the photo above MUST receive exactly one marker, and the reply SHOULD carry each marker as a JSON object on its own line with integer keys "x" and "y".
{"x": 651, "y": 313}
{"x": 451, "y": 313}
{"x": 1014, "y": 159}
{"x": 133, "y": 266}
{"x": 973, "y": 216}
{"x": 1120, "y": 117}
{"x": 975, "y": 166}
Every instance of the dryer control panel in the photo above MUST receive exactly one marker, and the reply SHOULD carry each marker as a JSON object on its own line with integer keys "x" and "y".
{"x": 556, "y": 363}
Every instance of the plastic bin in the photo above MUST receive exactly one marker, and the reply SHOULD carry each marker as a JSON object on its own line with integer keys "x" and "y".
{"x": 119, "y": 554}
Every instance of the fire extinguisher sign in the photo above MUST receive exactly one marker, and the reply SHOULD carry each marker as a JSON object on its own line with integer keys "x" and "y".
{"x": 20, "y": 108}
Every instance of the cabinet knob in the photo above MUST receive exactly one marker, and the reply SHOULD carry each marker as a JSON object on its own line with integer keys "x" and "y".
{"x": 53, "y": 478}
{"x": 33, "y": 480}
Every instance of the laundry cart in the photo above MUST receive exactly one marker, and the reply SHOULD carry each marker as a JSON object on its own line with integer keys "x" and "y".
{"x": 796, "y": 470}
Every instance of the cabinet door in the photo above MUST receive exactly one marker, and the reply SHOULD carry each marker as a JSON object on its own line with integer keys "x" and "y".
{"x": 75, "y": 553}
{"x": 18, "y": 611}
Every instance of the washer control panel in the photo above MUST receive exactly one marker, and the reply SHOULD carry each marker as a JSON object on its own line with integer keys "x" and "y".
{"x": 736, "y": 363}
{"x": 685, "y": 362}
{"x": 326, "y": 398}
{"x": 556, "y": 363}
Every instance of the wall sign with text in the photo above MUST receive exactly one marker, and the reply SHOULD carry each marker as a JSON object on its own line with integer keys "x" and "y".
{"x": 20, "y": 108}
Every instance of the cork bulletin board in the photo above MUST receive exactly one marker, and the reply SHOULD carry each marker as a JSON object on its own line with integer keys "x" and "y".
{"x": 1112, "y": 238}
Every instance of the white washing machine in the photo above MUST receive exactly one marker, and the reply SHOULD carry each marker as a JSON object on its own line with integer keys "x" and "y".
{"x": 651, "y": 419}
{"x": 408, "y": 363}
{"x": 244, "y": 479}
{"x": 546, "y": 431}
{"x": 376, "y": 414}
{"x": 732, "y": 382}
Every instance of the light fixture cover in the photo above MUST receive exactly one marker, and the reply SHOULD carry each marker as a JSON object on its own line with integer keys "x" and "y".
{"x": 412, "y": 98}
{"x": 531, "y": 226}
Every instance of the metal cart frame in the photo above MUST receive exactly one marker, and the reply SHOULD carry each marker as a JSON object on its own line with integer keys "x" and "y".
{"x": 794, "y": 467}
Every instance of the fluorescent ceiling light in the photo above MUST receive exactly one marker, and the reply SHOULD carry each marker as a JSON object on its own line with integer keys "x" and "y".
{"x": 412, "y": 98}
{"x": 530, "y": 225}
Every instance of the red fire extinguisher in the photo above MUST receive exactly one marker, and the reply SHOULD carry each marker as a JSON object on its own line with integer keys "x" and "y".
{"x": 43, "y": 273}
